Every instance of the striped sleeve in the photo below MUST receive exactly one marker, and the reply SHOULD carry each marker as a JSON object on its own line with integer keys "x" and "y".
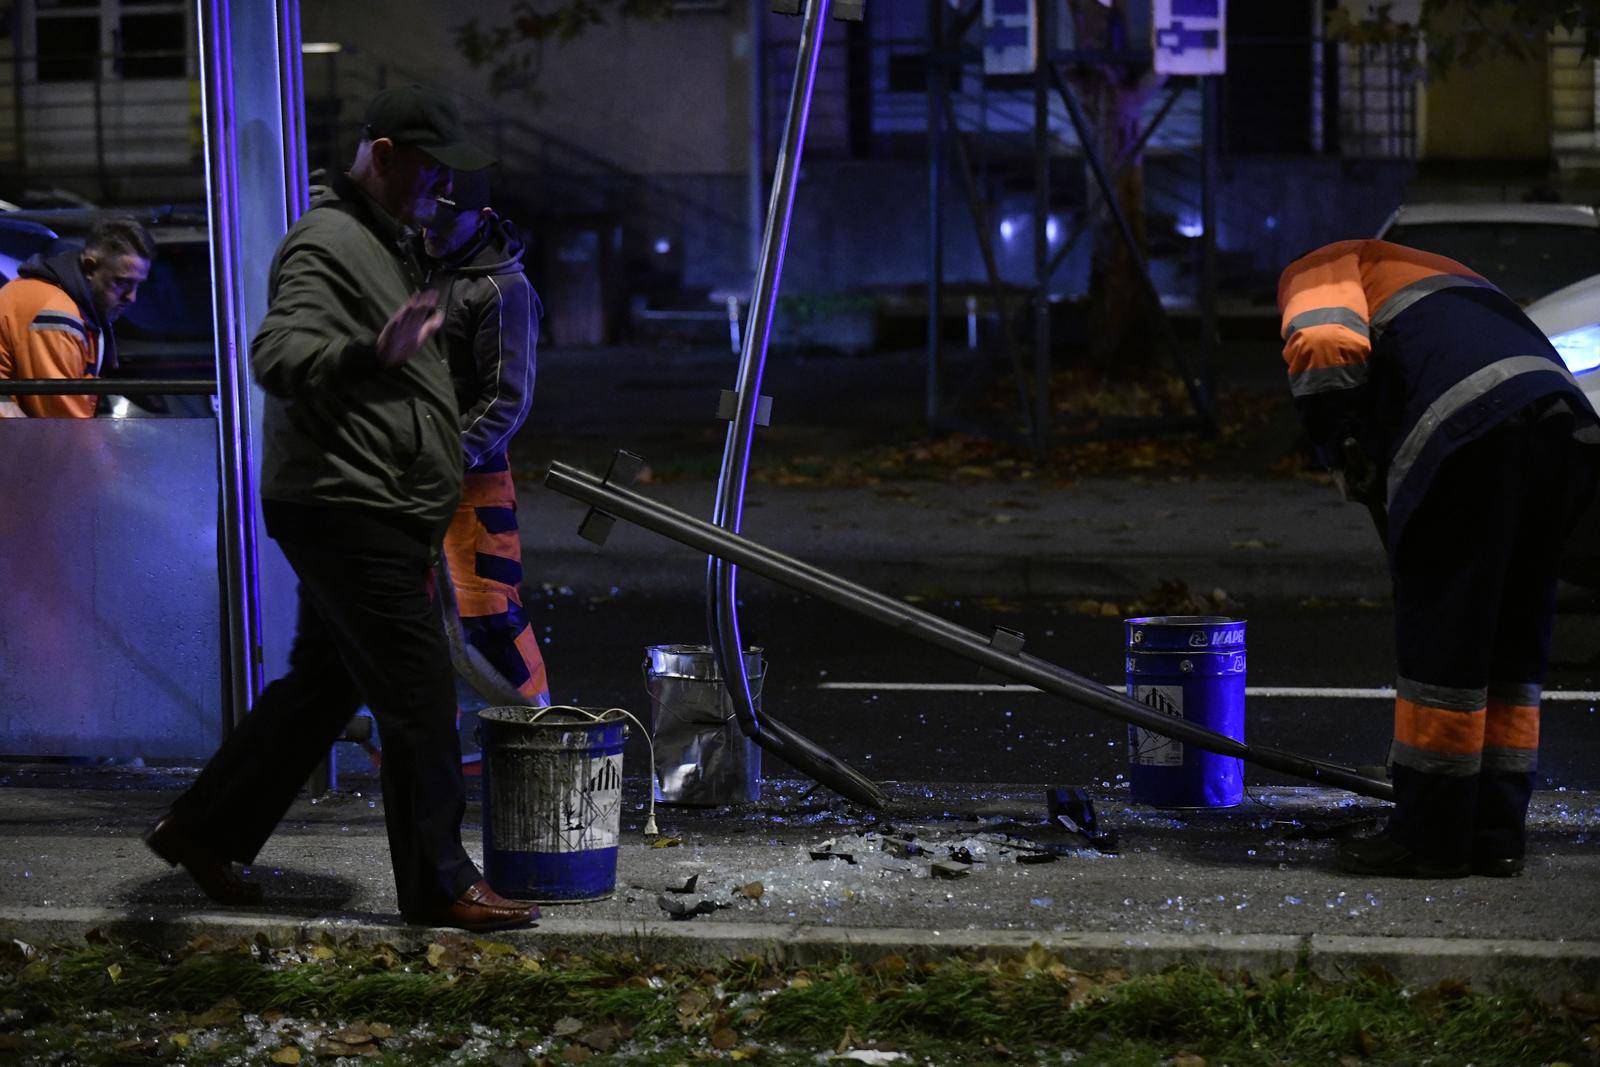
{"x": 1327, "y": 341}
{"x": 59, "y": 344}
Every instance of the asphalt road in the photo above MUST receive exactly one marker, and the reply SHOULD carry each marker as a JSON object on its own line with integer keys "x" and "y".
{"x": 836, "y": 678}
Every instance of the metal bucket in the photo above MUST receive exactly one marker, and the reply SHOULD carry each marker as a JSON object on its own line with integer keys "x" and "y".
{"x": 701, "y": 756}
{"x": 1191, "y": 667}
{"x": 552, "y": 801}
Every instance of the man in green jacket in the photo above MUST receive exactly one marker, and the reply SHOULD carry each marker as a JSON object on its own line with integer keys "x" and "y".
{"x": 361, "y": 471}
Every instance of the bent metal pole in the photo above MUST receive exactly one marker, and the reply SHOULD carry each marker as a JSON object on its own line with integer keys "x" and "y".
{"x": 722, "y": 602}
{"x": 640, "y": 510}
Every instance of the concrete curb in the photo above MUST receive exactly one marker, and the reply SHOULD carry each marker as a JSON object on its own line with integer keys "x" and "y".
{"x": 1543, "y": 967}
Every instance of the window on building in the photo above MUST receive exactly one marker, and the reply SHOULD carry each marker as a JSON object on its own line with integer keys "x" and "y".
{"x": 152, "y": 45}
{"x": 68, "y": 38}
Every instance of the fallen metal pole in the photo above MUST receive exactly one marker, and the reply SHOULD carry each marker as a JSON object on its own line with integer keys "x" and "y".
{"x": 925, "y": 626}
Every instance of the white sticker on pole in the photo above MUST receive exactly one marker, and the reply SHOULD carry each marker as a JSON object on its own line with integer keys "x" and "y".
{"x": 1190, "y": 36}
{"x": 1146, "y": 748}
{"x": 1010, "y": 36}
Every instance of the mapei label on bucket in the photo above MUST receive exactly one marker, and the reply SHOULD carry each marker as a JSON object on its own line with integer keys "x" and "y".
{"x": 574, "y": 806}
{"x": 1146, "y": 748}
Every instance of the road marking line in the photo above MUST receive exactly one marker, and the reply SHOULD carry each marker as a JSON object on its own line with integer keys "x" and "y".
{"x": 1280, "y": 691}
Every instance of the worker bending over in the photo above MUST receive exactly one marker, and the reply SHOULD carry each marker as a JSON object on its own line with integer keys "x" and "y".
{"x": 1434, "y": 400}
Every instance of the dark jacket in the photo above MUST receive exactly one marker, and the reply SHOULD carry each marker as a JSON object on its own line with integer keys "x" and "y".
{"x": 337, "y": 431}
{"x": 63, "y": 271}
{"x": 1412, "y": 355}
{"x": 491, "y": 330}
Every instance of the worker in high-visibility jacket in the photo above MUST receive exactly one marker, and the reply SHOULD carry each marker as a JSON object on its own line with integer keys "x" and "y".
{"x": 56, "y": 316}
{"x": 1434, "y": 400}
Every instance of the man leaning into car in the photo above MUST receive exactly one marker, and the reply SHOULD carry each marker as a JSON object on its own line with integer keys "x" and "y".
{"x": 56, "y": 315}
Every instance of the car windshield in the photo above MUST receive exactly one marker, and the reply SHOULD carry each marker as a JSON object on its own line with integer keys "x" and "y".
{"x": 175, "y": 303}
{"x": 1526, "y": 260}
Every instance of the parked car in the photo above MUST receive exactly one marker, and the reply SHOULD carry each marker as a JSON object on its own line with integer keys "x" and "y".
{"x": 1528, "y": 250}
{"x": 167, "y": 333}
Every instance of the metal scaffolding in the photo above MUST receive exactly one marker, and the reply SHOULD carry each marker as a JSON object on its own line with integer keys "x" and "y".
{"x": 948, "y": 50}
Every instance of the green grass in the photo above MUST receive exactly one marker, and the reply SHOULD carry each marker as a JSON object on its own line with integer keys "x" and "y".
{"x": 114, "y": 1003}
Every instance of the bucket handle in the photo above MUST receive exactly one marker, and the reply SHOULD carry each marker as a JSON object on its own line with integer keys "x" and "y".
{"x": 650, "y": 746}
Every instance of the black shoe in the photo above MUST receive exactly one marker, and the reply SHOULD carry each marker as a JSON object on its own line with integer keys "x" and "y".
{"x": 214, "y": 875}
{"x": 1503, "y": 867}
{"x": 1383, "y": 855}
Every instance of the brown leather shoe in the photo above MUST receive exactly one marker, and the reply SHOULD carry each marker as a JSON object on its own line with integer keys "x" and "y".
{"x": 213, "y": 874}
{"x": 481, "y": 909}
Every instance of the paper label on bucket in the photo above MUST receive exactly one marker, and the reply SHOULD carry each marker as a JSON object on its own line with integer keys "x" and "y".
{"x": 1147, "y": 748}
{"x": 574, "y": 806}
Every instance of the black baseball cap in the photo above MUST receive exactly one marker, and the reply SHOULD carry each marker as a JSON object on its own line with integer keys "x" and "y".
{"x": 469, "y": 191}
{"x": 427, "y": 119}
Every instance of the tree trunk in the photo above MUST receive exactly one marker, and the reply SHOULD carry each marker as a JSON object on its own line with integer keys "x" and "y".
{"x": 1122, "y": 340}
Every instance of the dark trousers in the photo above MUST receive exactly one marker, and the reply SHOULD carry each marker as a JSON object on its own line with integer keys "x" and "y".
{"x": 368, "y": 632}
{"x": 1475, "y": 581}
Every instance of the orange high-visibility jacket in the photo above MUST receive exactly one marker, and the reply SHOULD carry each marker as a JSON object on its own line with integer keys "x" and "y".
{"x": 43, "y": 334}
{"x": 1412, "y": 355}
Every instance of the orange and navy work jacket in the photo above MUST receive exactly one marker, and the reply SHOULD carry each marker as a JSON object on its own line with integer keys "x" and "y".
{"x": 1412, "y": 355}
{"x": 43, "y": 334}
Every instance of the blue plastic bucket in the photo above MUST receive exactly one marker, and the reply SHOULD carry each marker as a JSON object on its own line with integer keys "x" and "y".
{"x": 552, "y": 801}
{"x": 1191, "y": 667}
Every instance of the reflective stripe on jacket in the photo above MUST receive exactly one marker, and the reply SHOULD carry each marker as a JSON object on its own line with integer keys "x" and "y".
{"x": 1412, "y": 355}
{"x": 44, "y": 335}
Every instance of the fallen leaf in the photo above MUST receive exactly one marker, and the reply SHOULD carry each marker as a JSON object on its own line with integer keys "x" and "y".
{"x": 354, "y": 1034}
{"x": 1187, "y": 1059}
{"x": 321, "y": 952}
{"x": 663, "y": 841}
{"x": 1587, "y": 1004}
{"x": 723, "y": 1039}
{"x": 575, "y": 1054}
{"x": 224, "y": 1013}
{"x": 601, "y": 1038}
{"x": 181, "y": 1040}
{"x": 115, "y": 971}
{"x": 752, "y": 891}
{"x": 566, "y": 1025}
{"x": 287, "y": 1054}
{"x": 380, "y": 1030}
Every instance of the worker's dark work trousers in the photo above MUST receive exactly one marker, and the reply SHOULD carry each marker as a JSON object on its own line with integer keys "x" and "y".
{"x": 368, "y": 632}
{"x": 1474, "y": 584}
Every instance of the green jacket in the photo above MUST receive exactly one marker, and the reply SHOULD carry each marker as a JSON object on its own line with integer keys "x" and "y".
{"x": 337, "y": 431}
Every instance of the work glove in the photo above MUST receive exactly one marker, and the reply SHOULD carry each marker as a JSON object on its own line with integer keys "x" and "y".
{"x": 1358, "y": 477}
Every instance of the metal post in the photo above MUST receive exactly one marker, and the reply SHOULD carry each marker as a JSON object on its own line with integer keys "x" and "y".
{"x": 100, "y": 127}
{"x": 1208, "y": 238}
{"x": 1041, "y": 226}
{"x": 19, "y": 112}
{"x": 985, "y": 229}
{"x": 236, "y": 533}
{"x": 722, "y": 602}
{"x": 936, "y": 90}
{"x": 296, "y": 167}
{"x": 252, "y": 192}
{"x": 758, "y": 127}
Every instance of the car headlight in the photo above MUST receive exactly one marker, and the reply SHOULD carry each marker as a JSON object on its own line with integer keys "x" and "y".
{"x": 1580, "y": 348}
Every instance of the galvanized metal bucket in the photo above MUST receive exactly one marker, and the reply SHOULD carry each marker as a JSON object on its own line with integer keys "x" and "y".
{"x": 552, "y": 801}
{"x": 1191, "y": 667}
{"x": 701, "y": 756}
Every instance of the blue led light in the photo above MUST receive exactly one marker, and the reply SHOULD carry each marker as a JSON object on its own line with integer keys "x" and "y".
{"x": 1580, "y": 348}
